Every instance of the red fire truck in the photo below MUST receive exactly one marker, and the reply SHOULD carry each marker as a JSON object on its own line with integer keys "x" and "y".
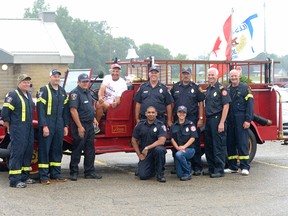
{"x": 117, "y": 124}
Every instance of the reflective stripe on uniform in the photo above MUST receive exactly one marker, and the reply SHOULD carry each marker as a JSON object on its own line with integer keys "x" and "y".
{"x": 15, "y": 172}
{"x": 41, "y": 100}
{"x": 232, "y": 157}
{"x": 55, "y": 164}
{"x": 248, "y": 96}
{"x": 43, "y": 165}
{"x": 26, "y": 168}
{"x": 10, "y": 106}
{"x": 66, "y": 100}
{"x": 23, "y": 106}
{"x": 244, "y": 157}
{"x": 49, "y": 105}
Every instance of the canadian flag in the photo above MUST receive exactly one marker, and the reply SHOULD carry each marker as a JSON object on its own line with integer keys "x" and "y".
{"x": 222, "y": 47}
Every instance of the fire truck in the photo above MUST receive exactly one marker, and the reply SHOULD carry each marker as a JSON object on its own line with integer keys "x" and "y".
{"x": 117, "y": 124}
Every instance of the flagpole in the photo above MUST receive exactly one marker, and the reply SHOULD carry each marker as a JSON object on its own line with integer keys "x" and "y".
{"x": 265, "y": 52}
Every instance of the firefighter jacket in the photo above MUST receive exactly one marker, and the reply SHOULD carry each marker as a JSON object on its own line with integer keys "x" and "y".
{"x": 52, "y": 107}
{"x": 17, "y": 108}
{"x": 242, "y": 101}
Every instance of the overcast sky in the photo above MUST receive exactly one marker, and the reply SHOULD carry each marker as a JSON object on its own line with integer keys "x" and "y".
{"x": 183, "y": 26}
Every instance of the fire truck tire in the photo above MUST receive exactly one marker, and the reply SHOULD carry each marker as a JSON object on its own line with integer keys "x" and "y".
{"x": 252, "y": 145}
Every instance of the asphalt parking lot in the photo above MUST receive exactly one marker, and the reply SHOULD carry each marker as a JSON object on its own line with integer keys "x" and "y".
{"x": 263, "y": 192}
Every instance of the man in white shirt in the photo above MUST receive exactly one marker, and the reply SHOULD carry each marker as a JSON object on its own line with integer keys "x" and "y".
{"x": 110, "y": 91}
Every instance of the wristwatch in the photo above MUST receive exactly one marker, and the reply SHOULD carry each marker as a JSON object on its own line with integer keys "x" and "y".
{"x": 146, "y": 148}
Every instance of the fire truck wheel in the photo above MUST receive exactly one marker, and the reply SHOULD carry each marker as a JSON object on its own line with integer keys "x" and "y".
{"x": 252, "y": 145}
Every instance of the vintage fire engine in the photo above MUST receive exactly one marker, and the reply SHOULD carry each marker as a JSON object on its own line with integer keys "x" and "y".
{"x": 117, "y": 124}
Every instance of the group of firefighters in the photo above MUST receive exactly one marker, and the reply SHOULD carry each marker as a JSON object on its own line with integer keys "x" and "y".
{"x": 230, "y": 106}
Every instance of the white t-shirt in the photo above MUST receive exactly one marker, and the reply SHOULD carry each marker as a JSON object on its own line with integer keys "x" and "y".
{"x": 113, "y": 88}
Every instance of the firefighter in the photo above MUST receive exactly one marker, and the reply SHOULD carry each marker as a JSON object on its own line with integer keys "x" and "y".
{"x": 216, "y": 107}
{"x": 82, "y": 110}
{"x": 239, "y": 117}
{"x": 17, "y": 114}
{"x": 183, "y": 133}
{"x": 53, "y": 122}
{"x": 148, "y": 140}
{"x": 190, "y": 94}
{"x": 154, "y": 93}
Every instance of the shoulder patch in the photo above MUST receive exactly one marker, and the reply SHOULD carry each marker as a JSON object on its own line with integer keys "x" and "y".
{"x": 224, "y": 92}
{"x": 73, "y": 96}
{"x": 164, "y": 127}
{"x": 9, "y": 99}
{"x": 193, "y": 128}
{"x": 40, "y": 93}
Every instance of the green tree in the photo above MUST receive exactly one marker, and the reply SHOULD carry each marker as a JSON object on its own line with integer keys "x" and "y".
{"x": 38, "y": 7}
{"x": 158, "y": 51}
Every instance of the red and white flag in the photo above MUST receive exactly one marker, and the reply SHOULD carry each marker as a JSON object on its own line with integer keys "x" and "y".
{"x": 242, "y": 37}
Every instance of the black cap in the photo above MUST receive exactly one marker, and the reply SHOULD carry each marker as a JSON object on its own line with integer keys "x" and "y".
{"x": 83, "y": 77}
{"x": 54, "y": 72}
{"x": 153, "y": 68}
{"x": 188, "y": 70}
{"x": 182, "y": 109}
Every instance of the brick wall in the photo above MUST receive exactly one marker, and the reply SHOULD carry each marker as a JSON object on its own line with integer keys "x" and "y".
{"x": 38, "y": 72}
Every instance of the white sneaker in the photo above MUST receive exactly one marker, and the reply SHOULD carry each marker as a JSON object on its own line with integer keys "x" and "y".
{"x": 245, "y": 172}
{"x": 227, "y": 171}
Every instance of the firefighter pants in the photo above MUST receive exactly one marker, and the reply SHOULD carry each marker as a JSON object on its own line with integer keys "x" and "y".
{"x": 154, "y": 163}
{"x": 86, "y": 144}
{"x": 237, "y": 142}
{"x": 50, "y": 153}
{"x": 21, "y": 151}
{"x": 215, "y": 145}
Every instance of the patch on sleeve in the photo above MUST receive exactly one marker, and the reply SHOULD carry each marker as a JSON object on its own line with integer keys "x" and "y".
{"x": 9, "y": 99}
{"x": 40, "y": 93}
{"x": 193, "y": 128}
{"x": 224, "y": 92}
{"x": 164, "y": 127}
{"x": 73, "y": 96}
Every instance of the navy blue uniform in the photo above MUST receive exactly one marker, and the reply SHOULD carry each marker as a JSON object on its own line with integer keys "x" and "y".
{"x": 215, "y": 142}
{"x": 83, "y": 102}
{"x": 53, "y": 112}
{"x": 159, "y": 97}
{"x": 18, "y": 110}
{"x": 189, "y": 96}
{"x": 154, "y": 162}
{"x": 181, "y": 134}
{"x": 241, "y": 110}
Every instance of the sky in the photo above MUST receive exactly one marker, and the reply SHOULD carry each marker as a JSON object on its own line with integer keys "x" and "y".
{"x": 183, "y": 26}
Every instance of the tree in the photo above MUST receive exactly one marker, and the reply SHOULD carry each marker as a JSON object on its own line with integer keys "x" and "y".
{"x": 38, "y": 7}
{"x": 158, "y": 51}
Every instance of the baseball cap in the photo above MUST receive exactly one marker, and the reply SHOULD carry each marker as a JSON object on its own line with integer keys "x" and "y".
{"x": 23, "y": 77}
{"x": 188, "y": 70}
{"x": 116, "y": 66}
{"x": 83, "y": 77}
{"x": 153, "y": 68}
{"x": 54, "y": 72}
{"x": 182, "y": 109}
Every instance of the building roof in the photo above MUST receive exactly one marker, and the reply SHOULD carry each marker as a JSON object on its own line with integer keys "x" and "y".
{"x": 33, "y": 41}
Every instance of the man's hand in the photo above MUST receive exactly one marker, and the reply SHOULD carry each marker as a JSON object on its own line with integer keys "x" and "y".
{"x": 45, "y": 131}
{"x": 81, "y": 131}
